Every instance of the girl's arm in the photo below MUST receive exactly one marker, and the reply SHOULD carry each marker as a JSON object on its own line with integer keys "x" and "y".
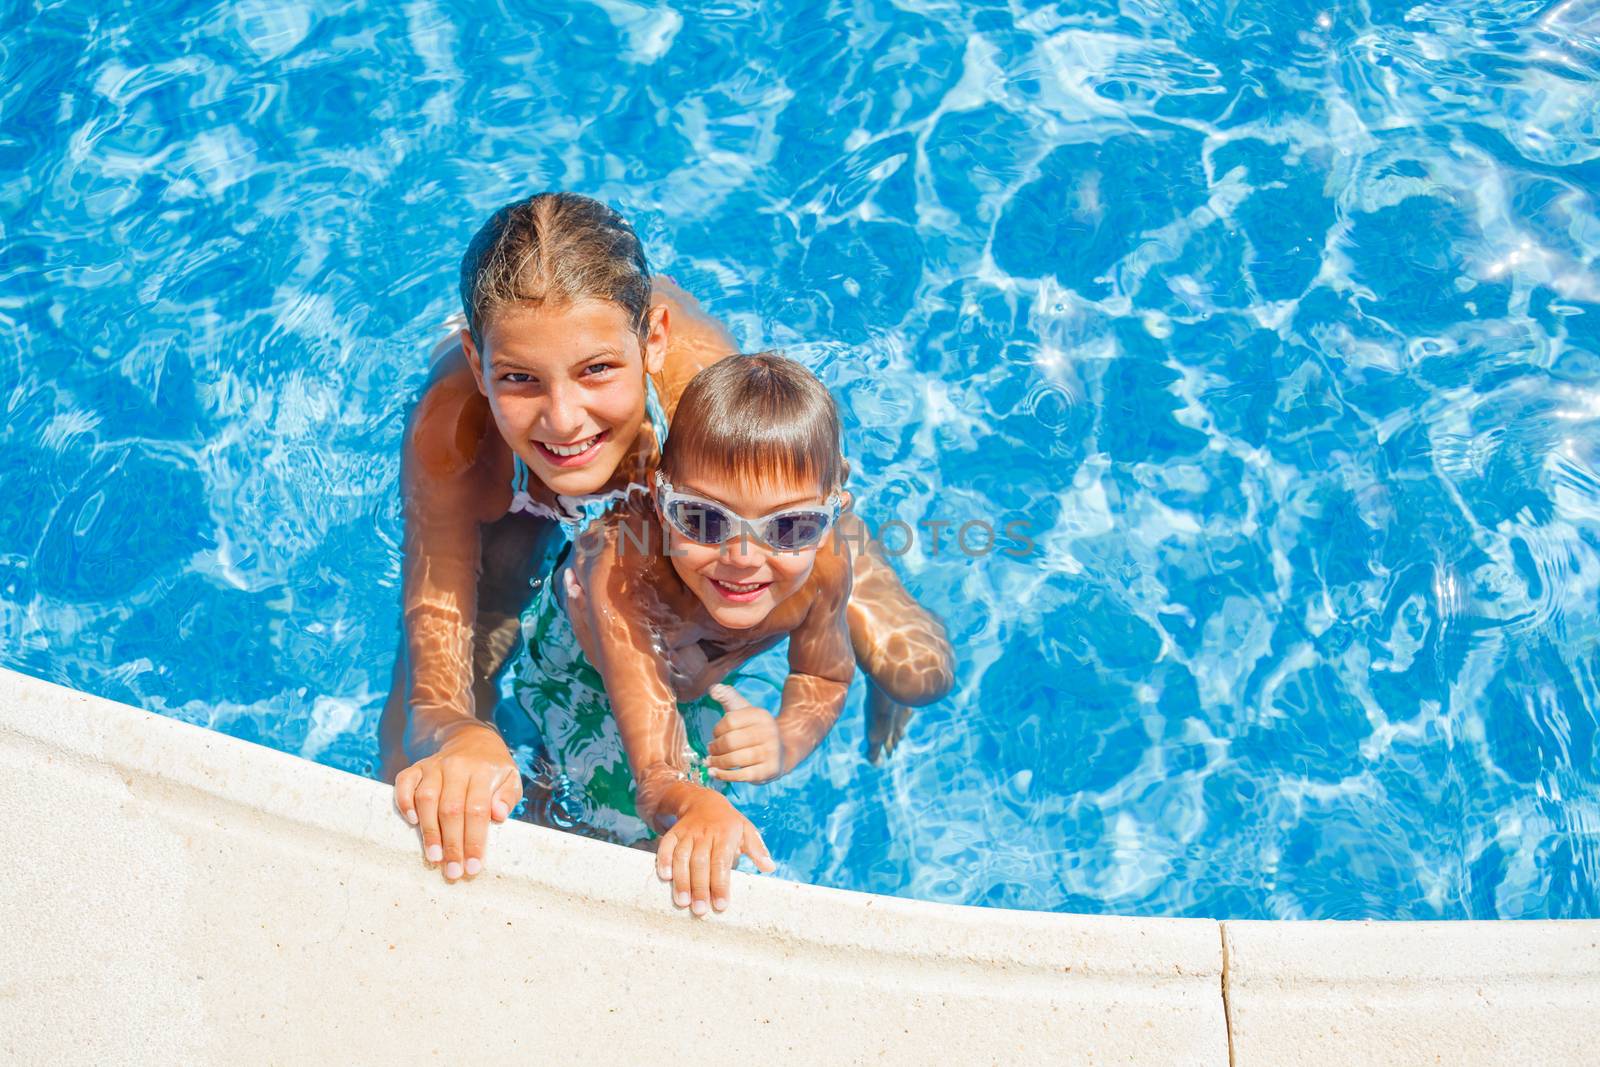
{"x": 458, "y": 773}
{"x": 441, "y": 493}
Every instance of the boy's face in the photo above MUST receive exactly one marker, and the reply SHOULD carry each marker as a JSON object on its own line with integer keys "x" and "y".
{"x": 566, "y": 386}
{"x": 741, "y": 580}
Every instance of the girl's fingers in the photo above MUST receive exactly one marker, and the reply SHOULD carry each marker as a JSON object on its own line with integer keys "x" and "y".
{"x": 700, "y": 877}
{"x": 680, "y": 873}
{"x": 756, "y": 849}
{"x": 664, "y": 849}
{"x": 405, "y": 789}
{"x": 745, "y": 718}
{"x": 507, "y": 795}
{"x": 427, "y": 801}
{"x": 721, "y": 871}
{"x": 475, "y": 824}
{"x": 741, "y": 757}
{"x": 452, "y": 811}
{"x": 745, "y": 737}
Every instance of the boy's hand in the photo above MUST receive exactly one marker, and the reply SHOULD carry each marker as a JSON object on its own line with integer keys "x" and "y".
{"x": 697, "y": 855}
{"x": 451, "y": 796}
{"x": 746, "y": 744}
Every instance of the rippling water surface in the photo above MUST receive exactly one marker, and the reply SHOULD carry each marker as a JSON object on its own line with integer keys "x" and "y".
{"x": 1278, "y": 323}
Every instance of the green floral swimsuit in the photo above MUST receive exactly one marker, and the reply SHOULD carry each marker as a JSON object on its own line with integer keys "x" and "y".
{"x": 561, "y": 691}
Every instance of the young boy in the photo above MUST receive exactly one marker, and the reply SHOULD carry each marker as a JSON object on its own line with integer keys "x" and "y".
{"x": 734, "y": 552}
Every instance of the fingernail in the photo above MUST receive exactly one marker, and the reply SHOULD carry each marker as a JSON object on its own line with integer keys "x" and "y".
{"x": 452, "y": 870}
{"x": 435, "y": 853}
{"x": 721, "y": 904}
{"x": 681, "y": 898}
{"x": 663, "y": 875}
{"x": 411, "y": 817}
{"x": 698, "y": 907}
{"x": 474, "y": 865}
{"x": 499, "y": 810}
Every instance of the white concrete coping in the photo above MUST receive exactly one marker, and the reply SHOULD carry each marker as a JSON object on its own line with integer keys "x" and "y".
{"x": 177, "y": 896}
{"x": 1410, "y": 993}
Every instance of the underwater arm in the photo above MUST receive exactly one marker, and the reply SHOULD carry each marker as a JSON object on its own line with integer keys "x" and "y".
{"x": 459, "y": 773}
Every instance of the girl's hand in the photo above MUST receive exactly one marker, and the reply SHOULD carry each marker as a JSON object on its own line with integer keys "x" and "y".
{"x": 451, "y": 796}
{"x": 746, "y": 744}
{"x": 697, "y": 855}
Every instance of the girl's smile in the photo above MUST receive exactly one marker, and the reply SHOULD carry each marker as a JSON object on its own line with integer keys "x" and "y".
{"x": 572, "y": 455}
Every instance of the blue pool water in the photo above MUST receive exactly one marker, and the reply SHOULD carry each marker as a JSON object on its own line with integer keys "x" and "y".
{"x": 1278, "y": 323}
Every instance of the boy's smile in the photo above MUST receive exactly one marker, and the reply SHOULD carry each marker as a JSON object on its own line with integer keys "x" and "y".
{"x": 739, "y": 592}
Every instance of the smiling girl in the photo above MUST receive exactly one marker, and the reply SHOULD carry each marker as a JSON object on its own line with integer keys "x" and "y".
{"x": 551, "y": 405}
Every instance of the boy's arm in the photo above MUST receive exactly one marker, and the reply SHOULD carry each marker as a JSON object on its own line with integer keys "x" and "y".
{"x": 612, "y": 622}
{"x": 821, "y": 664}
{"x": 696, "y": 340}
{"x": 702, "y": 833}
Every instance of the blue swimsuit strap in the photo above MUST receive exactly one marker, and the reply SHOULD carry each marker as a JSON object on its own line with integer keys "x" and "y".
{"x": 652, "y": 408}
{"x": 658, "y": 414}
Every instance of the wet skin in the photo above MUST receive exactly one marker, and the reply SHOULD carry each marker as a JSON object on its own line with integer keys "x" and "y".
{"x": 555, "y": 376}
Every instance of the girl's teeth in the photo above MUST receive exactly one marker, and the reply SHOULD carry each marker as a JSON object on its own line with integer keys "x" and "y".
{"x": 745, "y": 588}
{"x": 572, "y": 450}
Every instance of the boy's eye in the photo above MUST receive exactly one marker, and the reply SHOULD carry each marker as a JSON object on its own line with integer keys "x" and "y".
{"x": 516, "y": 377}
{"x": 708, "y": 525}
{"x": 597, "y": 368}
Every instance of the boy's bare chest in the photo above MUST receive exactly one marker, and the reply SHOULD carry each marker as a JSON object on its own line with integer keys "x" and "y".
{"x": 700, "y": 653}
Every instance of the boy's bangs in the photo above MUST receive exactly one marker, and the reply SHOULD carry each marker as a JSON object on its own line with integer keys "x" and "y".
{"x": 762, "y": 419}
{"x": 769, "y": 456}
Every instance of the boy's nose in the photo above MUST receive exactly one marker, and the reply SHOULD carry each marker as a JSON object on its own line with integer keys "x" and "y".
{"x": 743, "y": 546}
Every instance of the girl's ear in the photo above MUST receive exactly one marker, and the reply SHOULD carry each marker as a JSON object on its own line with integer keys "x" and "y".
{"x": 469, "y": 351}
{"x": 655, "y": 339}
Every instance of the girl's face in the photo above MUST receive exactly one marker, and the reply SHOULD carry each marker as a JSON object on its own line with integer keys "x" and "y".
{"x": 566, "y": 386}
{"x": 740, "y": 581}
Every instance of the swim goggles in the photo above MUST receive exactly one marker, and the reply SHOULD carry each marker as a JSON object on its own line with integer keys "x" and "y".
{"x": 710, "y": 523}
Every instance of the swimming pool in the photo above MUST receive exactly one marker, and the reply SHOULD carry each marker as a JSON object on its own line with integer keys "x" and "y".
{"x": 1279, "y": 329}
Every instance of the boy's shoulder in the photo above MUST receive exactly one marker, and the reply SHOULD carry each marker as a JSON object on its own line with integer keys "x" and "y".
{"x": 832, "y": 573}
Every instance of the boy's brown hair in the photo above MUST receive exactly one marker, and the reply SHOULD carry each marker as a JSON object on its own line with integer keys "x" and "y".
{"x": 763, "y": 417}
{"x": 553, "y": 249}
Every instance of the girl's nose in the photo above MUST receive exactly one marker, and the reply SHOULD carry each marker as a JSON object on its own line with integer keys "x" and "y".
{"x": 563, "y": 415}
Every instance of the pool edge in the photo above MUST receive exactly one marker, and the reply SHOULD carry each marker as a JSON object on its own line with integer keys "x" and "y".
{"x": 234, "y": 900}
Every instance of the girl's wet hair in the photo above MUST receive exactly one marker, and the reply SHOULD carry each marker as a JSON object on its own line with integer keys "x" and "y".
{"x": 554, "y": 249}
{"x": 762, "y": 418}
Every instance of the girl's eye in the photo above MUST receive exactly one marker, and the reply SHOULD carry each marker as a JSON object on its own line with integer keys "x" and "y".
{"x": 597, "y": 368}
{"x": 516, "y": 377}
